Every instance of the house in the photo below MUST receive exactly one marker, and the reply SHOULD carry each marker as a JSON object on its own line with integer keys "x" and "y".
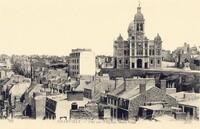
{"x": 125, "y": 100}
{"x": 189, "y": 104}
{"x": 16, "y": 93}
{"x": 195, "y": 64}
{"x": 59, "y": 105}
{"x": 81, "y": 62}
{"x": 99, "y": 84}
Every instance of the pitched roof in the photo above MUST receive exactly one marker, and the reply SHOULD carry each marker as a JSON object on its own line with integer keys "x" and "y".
{"x": 133, "y": 93}
{"x": 128, "y": 94}
{"x": 4, "y": 81}
{"x": 119, "y": 89}
{"x": 97, "y": 97}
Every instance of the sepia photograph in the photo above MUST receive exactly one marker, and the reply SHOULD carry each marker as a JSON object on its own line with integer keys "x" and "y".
{"x": 99, "y": 64}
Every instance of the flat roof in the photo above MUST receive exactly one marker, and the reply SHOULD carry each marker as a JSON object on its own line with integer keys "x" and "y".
{"x": 193, "y": 103}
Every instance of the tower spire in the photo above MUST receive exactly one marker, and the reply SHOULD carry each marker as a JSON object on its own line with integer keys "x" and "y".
{"x": 139, "y": 7}
{"x": 139, "y": 3}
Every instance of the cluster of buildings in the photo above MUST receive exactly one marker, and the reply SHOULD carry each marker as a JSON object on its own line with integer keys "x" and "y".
{"x": 183, "y": 54}
{"x": 71, "y": 87}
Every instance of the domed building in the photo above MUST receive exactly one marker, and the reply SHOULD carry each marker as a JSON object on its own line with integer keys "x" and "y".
{"x": 137, "y": 51}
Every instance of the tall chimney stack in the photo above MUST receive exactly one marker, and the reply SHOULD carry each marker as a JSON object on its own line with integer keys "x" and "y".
{"x": 163, "y": 87}
{"x": 142, "y": 88}
{"x": 124, "y": 84}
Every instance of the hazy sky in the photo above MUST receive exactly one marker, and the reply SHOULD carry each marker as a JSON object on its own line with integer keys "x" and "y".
{"x": 56, "y": 26}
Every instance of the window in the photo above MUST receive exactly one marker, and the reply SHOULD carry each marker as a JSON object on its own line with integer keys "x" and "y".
{"x": 138, "y": 26}
{"x": 133, "y": 52}
{"x": 126, "y": 61}
{"x": 120, "y": 61}
{"x": 115, "y": 102}
{"x": 108, "y": 100}
{"x": 124, "y": 52}
{"x": 141, "y": 27}
{"x": 158, "y": 61}
{"x": 139, "y": 52}
{"x": 133, "y": 45}
{"x": 152, "y": 52}
{"x": 133, "y": 65}
{"x": 151, "y": 61}
{"x": 157, "y": 52}
{"x": 146, "y": 52}
{"x": 146, "y": 45}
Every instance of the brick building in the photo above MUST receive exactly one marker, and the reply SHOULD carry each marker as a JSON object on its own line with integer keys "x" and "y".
{"x": 137, "y": 51}
{"x": 124, "y": 101}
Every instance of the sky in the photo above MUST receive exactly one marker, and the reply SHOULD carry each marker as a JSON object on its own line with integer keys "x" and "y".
{"x": 54, "y": 27}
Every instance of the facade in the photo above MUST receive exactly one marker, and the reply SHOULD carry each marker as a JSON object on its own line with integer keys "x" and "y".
{"x": 82, "y": 62}
{"x": 188, "y": 104}
{"x": 103, "y": 61}
{"x": 137, "y": 51}
{"x": 98, "y": 85}
{"x": 58, "y": 105}
{"x": 124, "y": 101}
{"x": 186, "y": 54}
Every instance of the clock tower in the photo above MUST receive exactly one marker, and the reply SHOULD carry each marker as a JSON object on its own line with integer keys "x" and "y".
{"x": 138, "y": 51}
{"x": 138, "y": 42}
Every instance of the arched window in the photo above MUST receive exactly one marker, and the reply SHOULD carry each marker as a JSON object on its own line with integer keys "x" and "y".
{"x": 124, "y": 52}
{"x": 141, "y": 27}
{"x": 120, "y": 61}
{"x": 126, "y": 61}
{"x": 158, "y": 61}
{"x": 138, "y": 26}
{"x": 151, "y": 61}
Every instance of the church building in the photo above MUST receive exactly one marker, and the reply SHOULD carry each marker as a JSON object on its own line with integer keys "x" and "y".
{"x": 137, "y": 51}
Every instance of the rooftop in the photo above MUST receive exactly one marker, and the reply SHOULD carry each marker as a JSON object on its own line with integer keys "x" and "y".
{"x": 193, "y": 103}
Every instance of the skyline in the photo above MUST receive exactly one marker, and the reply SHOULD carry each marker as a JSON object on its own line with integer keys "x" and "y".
{"x": 52, "y": 27}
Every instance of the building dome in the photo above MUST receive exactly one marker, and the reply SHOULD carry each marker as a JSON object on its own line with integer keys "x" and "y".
{"x": 120, "y": 38}
{"x": 157, "y": 38}
{"x": 131, "y": 26}
{"x": 139, "y": 16}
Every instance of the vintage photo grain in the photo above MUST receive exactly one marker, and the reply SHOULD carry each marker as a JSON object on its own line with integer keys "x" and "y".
{"x": 99, "y": 63}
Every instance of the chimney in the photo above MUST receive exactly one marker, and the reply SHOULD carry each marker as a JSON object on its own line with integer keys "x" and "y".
{"x": 115, "y": 83}
{"x": 124, "y": 84}
{"x": 74, "y": 106}
{"x": 163, "y": 86}
{"x": 142, "y": 88}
